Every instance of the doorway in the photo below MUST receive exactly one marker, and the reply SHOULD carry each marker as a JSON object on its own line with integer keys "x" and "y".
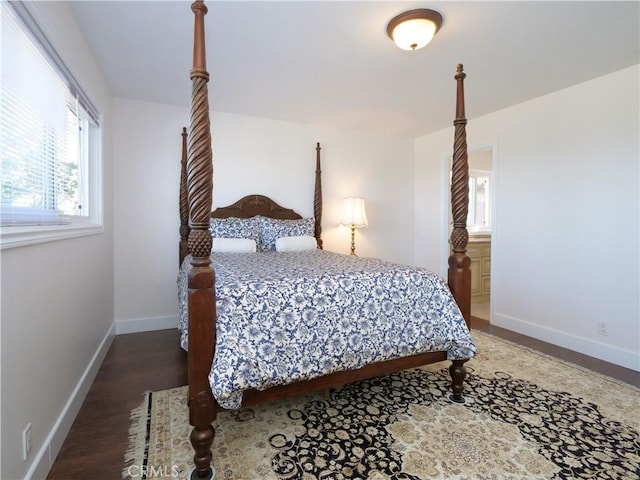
{"x": 480, "y": 226}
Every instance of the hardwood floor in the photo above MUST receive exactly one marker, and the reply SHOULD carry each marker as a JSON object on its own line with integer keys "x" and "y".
{"x": 480, "y": 306}
{"x": 146, "y": 361}
{"x": 135, "y": 363}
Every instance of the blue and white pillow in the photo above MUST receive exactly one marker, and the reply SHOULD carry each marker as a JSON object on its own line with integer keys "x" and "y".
{"x": 234, "y": 227}
{"x": 271, "y": 229}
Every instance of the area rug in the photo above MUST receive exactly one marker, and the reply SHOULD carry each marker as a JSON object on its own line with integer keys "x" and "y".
{"x": 527, "y": 416}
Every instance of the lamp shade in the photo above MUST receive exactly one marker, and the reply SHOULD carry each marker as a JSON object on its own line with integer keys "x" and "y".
{"x": 353, "y": 212}
{"x": 414, "y": 29}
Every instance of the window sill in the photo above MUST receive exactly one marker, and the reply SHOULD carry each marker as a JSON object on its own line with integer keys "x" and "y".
{"x": 17, "y": 236}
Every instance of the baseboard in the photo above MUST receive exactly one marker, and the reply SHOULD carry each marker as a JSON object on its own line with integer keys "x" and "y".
{"x": 135, "y": 325}
{"x": 608, "y": 353}
{"x": 43, "y": 460}
{"x": 47, "y": 454}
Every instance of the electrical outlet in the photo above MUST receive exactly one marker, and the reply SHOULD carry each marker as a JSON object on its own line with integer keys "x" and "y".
{"x": 26, "y": 441}
{"x": 603, "y": 328}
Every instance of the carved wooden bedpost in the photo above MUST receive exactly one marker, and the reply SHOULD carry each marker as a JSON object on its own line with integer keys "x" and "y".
{"x": 201, "y": 299}
{"x": 183, "y": 249}
{"x": 459, "y": 263}
{"x": 317, "y": 199}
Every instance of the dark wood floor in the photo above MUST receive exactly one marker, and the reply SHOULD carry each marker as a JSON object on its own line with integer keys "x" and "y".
{"x": 140, "y": 362}
{"x": 135, "y": 363}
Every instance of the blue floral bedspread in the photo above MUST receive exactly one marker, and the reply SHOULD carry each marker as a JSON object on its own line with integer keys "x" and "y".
{"x": 283, "y": 317}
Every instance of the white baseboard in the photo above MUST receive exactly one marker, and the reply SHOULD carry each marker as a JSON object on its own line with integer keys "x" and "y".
{"x": 608, "y": 353}
{"x": 135, "y": 325}
{"x": 43, "y": 461}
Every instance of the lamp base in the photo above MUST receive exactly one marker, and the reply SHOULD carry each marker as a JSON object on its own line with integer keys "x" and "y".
{"x": 353, "y": 240}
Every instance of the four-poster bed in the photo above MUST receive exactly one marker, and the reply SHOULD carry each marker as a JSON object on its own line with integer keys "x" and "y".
{"x": 200, "y": 324}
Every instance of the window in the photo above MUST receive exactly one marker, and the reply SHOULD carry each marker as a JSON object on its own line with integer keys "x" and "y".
{"x": 49, "y": 137}
{"x": 479, "y": 216}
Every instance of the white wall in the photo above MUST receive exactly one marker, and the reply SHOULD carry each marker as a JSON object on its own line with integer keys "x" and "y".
{"x": 57, "y": 299}
{"x": 565, "y": 238}
{"x": 146, "y": 153}
{"x": 250, "y": 155}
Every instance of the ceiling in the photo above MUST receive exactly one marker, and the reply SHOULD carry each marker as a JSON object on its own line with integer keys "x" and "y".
{"x": 331, "y": 63}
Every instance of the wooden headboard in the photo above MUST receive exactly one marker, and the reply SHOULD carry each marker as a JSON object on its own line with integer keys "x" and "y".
{"x": 246, "y": 207}
{"x": 254, "y": 205}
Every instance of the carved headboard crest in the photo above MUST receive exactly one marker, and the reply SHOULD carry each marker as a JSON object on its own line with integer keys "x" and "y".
{"x": 253, "y": 205}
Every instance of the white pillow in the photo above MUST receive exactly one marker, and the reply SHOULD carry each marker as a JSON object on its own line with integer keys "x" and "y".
{"x": 235, "y": 245}
{"x": 296, "y": 244}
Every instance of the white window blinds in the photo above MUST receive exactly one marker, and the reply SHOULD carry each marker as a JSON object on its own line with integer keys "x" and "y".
{"x": 44, "y": 128}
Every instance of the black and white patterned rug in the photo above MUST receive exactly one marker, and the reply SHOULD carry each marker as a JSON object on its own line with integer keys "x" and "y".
{"x": 527, "y": 416}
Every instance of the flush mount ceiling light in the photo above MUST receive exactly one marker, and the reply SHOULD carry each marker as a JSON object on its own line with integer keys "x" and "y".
{"x": 414, "y": 29}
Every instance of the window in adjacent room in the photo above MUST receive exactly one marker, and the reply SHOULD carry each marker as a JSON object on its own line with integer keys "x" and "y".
{"x": 49, "y": 140}
{"x": 479, "y": 216}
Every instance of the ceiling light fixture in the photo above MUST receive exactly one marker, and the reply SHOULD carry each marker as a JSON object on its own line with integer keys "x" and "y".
{"x": 414, "y": 29}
